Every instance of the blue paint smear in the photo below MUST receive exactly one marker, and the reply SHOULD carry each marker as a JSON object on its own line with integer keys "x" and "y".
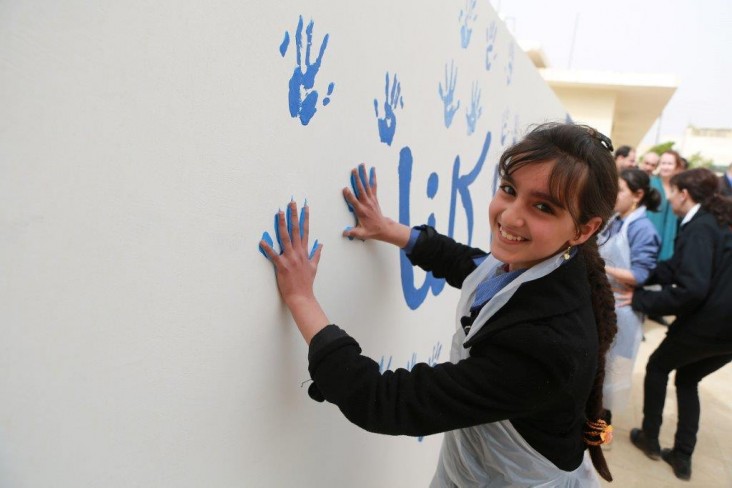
{"x": 268, "y": 239}
{"x": 432, "y": 185}
{"x": 461, "y": 186}
{"x": 285, "y": 44}
{"x": 413, "y": 295}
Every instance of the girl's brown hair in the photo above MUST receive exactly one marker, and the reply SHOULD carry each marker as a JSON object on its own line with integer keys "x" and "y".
{"x": 703, "y": 188}
{"x": 585, "y": 180}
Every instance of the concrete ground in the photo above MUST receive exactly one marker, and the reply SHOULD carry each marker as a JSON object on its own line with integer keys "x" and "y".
{"x": 712, "y": 460}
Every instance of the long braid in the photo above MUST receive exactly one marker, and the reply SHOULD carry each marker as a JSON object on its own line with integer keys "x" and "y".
{"x": 603, "y": 305}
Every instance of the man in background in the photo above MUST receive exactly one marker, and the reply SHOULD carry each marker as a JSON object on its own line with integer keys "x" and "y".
{"x": 624, "y": 158}
{"x": 649, "y": 163}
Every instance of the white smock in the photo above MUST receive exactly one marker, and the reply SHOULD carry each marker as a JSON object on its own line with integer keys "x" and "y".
{"x": 621, "y": 356}
{"x": 495, "y": 455}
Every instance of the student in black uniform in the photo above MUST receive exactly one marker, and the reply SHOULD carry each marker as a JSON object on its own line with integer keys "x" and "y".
{"x": 520, "y": 401}
{"x": 697, "y": 289}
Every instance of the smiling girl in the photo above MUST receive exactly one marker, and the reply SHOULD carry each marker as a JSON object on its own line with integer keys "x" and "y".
{"x": 521, "y": 399}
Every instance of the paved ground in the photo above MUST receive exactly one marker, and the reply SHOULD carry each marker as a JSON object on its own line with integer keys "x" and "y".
{"x": 712, "y": 460}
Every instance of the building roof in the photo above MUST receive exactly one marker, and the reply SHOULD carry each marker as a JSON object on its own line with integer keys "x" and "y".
{"x": 622, "y": 105}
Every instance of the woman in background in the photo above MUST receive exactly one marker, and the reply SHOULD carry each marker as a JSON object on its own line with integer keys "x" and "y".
{"x": 630, "y": 247}
{"x": 664, "y": 219}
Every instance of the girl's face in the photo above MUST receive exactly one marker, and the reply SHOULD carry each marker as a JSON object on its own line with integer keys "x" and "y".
{"x": 527, "y": 224}
{"x": 627, "y": 200}
{"x": 676, "y": 199}
{"x": 667, "y": 165}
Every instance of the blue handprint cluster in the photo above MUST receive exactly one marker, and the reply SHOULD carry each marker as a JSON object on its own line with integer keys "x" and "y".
{"x": 303, "y": 97}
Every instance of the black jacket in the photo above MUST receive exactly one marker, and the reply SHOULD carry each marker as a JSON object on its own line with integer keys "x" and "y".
{"x": 697, "y": 283}
{"x": 533, "y": 362}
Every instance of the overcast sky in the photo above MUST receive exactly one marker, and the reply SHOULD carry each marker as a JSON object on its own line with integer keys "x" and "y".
{"x": 691, "y": 39}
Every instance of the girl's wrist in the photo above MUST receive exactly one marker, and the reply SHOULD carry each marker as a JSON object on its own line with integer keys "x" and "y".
{"x": 395, "y": 233}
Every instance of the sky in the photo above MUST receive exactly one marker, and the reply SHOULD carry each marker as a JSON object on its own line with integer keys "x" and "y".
{"x": 690, "y": 39}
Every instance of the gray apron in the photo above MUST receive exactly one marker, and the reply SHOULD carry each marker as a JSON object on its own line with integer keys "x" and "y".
{"x": 495, "y": 455}
{"x": 624, "y": 349}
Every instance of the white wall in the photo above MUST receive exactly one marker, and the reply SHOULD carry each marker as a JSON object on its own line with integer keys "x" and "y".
{"x": 144, "y": 149}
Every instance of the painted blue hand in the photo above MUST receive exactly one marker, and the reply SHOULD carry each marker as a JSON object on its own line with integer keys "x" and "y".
{"x": 509, "y": 63}
{"x": 467, "y": 17}
{"x": 448, "y": 92}
{"x": 474, "y": 110}
{"x": 384, "y": 366}
{"x": 412, "y": 361}
{"x": 266, "y": 237}
{"x": 392, "y": 101}
{"x": 490, "y": 52}
{"x": 505, "y": 131}
{"x": 303, "y": 98}
{"x": 436, "y": 351}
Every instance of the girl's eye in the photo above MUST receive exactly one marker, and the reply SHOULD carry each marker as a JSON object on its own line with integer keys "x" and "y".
{"x": 545, "y": 208}
{"x": 506, "y": 188}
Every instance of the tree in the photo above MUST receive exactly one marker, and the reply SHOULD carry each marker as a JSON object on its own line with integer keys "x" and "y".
{"x": 696, "y": 160}
{"x": 662, "y": 148}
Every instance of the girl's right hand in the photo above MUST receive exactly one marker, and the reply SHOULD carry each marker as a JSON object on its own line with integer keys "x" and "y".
{"x": 371, "y": 222}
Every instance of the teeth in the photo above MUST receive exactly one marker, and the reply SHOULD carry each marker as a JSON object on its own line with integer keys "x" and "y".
{"x": 510, "y": 237}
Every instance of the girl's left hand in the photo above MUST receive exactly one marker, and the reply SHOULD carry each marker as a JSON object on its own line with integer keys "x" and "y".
{"x": 295, "y": 268}
{"x": 623, "y": 296}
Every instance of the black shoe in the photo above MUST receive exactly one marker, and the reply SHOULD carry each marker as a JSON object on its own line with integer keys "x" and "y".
{"x": 680, "y": 462}
{"x": 658, "y": 319}
{"x": 650, "y": 447}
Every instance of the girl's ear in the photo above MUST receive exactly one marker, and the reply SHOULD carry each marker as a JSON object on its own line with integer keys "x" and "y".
{"x": 586, "y": 231}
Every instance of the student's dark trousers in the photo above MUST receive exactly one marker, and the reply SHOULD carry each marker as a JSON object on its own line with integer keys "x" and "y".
{"x": 692, "y": 362}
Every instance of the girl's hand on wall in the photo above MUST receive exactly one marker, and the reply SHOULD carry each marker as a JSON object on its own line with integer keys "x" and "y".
{"x": 370, "y": 221}
{"x": 295, "y": 268}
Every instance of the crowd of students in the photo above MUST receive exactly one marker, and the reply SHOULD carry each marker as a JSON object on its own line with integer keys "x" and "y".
{"x": 693, "y": 283}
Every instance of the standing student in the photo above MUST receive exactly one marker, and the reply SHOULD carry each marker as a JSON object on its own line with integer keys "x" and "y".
{"x": 521, "y": 399}
{"x": 629, "y": 246}
{"x": 697, "y": 289}
{"x": 664, "y": 219}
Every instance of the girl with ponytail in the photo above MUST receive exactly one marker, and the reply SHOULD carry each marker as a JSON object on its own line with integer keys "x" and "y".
{"x": 629, "y": 246}
{"x": 520, "y": 401}
{"x": 696, "y": 286}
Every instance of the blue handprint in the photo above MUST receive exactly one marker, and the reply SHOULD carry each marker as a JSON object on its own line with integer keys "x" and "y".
{"x": 505, "y": 131}
{"x": 509, "y": 64}
{"x": 467, "y": 17}
{"x": 436, "y": 351}
{"x": 412, "y": 361}
{"x": 516, "y": 128}
{"x": 490, "y": 54}
{"x": 447, "y": 93}
{"x": 387, "y": 124}
{"x": 384, "y": 366}
{"x": 266, "y": 237}
{"x": 475, "y": 110}
{"x": 302, "y": 97}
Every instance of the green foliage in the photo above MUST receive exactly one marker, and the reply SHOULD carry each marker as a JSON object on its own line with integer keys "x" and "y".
{"x": 696, "y": 160}
{"x": 662, "y": 148}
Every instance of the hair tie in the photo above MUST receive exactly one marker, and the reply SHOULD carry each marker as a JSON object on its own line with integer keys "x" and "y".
{"x": 598, "y": 432}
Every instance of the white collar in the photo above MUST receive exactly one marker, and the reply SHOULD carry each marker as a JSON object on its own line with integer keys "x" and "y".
{"x": 690, "y": 214}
